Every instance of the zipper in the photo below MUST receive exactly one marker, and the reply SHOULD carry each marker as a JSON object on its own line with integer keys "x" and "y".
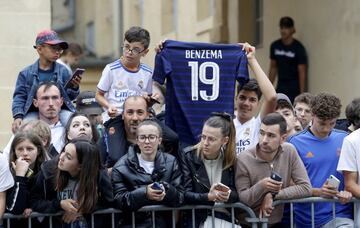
{"x": 199, "y": 182}
{"x": 272, "y": 166}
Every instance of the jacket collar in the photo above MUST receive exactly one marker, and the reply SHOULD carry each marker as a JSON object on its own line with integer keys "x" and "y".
{"x": 34, "y": 69}
{"x": 159, "y": 162}
{"x": 200, "y": 173}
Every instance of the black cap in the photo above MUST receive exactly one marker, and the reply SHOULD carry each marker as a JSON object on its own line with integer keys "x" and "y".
{"x": 87, "y": 104}
{"x": 286, "y": 22}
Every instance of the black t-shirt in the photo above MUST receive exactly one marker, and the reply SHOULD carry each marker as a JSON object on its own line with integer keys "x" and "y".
{"x": 287, "y": 58}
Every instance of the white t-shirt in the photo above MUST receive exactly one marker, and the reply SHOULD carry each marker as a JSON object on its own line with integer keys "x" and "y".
{"x": 6, "y": 179}
{"x": 118, "y": 83}
{"x": 350, "y": 161}
{"x": 57, "y": 136}
{"x": 65, "y": 65}
{"x": 247, "y": 134}
{"x": 148, "y": 166}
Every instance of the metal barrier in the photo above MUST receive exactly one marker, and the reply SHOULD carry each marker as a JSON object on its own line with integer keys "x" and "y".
{"x": 312, "y": 201}
{"x": 251, "y": 217}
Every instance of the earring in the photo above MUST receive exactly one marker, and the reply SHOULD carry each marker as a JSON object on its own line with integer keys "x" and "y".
{"x": 222, "y": 148}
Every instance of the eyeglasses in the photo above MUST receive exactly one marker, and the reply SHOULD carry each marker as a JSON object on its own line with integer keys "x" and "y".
{"x": 134, "y": 51}
{"x": 143, "y": 138}
{"x": 55, "y": 48}
{"x": 210, "y": 139}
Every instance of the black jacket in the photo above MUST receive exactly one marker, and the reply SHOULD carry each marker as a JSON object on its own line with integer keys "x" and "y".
{"x": 130, "y": 182}
{"x": 44, "y": 196}
{"x": 197, "y": 184}
{"x": 17, "y": 197}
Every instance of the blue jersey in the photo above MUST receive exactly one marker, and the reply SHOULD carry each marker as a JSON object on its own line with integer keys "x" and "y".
{"x": 320, "y": 157}
{"x": 200, "y": 79}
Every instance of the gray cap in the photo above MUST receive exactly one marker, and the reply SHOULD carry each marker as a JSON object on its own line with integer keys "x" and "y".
{"x": 281, "y": 96}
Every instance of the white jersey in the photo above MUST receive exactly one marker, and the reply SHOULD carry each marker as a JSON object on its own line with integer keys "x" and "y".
{"x": 118, "y": 83}
{"x": 350, "y": 161}
{"x": 247, "y": 134}
{"x": 6, "y": 178}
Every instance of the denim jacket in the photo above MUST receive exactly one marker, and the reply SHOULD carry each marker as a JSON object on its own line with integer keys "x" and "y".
{"x": 28, "y": 81}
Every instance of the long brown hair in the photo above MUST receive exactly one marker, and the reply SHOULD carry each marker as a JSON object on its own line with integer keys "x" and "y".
{"x": 34, "y": 139}
{"x": 88, "y": 156}
{"x": 225, "y": 123}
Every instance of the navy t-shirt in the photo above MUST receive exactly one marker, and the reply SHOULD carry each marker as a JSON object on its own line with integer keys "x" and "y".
{"x": 287, "y": 58}
{"x": 46, "y": 75}
{"x": 200, "y": 79}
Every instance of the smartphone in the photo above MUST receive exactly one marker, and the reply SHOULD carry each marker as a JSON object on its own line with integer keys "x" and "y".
{"x": 221, "y": 187}
{"x": 275, "y": 176}
{"x": 157, "y": 186}
{"x": 333, "y": 181}
{"x": 78, "y": 72}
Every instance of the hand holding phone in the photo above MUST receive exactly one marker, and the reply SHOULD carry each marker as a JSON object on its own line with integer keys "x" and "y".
{"x": 157, "y": 186}
{"x": 221, "y": 187}
{"x": 78, "y": 72}
{"x": 334, "y": 182}
{"x": 275, "y": 176}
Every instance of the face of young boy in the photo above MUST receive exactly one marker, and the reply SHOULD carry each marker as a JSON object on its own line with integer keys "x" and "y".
{"x": 132, "y": 53}
{"x": 49, "y": 52}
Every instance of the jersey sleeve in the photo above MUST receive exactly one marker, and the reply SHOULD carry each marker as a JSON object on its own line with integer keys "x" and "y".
{"x": 105, "y": 80}
{"x": 347, "y": 160}
{"x": 243, "y": 71}
{"x": 162, "y": 67}
{"x": 149, "y": 87}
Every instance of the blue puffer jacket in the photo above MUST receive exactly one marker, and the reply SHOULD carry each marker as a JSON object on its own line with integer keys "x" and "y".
{"x": 28, "y": 81}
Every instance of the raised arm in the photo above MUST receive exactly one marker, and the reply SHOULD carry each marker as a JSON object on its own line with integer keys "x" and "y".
{"x": 265, "y": 85}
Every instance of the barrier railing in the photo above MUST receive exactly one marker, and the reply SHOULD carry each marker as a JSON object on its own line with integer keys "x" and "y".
{"x": 312, "y": 201}
{"x": 251, "y": 217}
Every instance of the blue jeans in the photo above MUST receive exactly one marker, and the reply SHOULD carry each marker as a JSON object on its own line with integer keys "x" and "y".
{"x": 339, "y": 223}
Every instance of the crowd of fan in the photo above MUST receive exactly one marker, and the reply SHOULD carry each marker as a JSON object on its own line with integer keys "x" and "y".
{"x": 81, "y": 159}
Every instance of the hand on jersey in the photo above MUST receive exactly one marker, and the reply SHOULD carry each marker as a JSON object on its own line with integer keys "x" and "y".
{"x": 250, "y": 50}
{"x": 159, "y": 46}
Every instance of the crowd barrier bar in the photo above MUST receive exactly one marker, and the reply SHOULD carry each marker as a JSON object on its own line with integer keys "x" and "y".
{"x": 251, "y": 217}
{"x": 313, "y": 200}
